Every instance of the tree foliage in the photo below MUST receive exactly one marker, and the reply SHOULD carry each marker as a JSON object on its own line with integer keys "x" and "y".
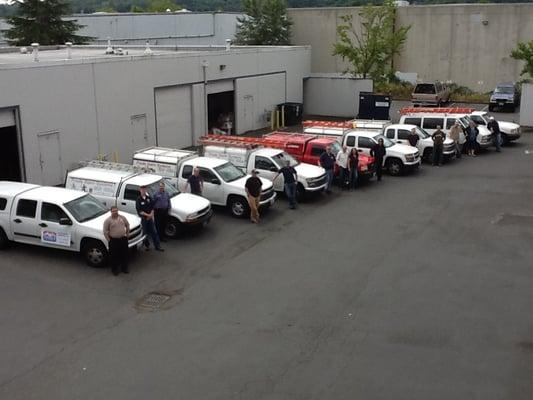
{"x": 370, "y": 47}
{"x": 40, "y": 21}
{"x": 524, "y": 52}
{"x": 265, "y": 23}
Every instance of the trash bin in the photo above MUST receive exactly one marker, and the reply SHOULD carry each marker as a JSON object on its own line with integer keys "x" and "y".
{"x": 373, "y": 106}
{"x": 293, "y": 113}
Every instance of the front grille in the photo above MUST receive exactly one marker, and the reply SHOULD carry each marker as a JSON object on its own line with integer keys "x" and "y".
{"x": 317, "y": 181}
{"x": 134, "y": 233}
{"x": 203, "y": 211}
{"x": 417, "y": 154}
{"x": 267, "y": 194}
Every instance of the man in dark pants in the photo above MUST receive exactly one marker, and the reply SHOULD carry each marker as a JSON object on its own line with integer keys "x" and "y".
{"x": 291, "y": 181}
{"x": 116, "y": 231}
{"x": 494, "y": 127}
{"x": 413, "y": 138}
{"x": 145, "y": 209}
{"x": 327, "y": 161}
{"x": 196, "y": 182}
{"x": 438, "y": 143}
{"x": 378, "y": 152}
{"x": 161, "y": 209}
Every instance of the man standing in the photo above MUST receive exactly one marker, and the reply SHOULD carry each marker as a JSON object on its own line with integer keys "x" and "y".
{"x": 196, "y": 182}
{"x": 378, "y": 151}
{"x": 327, "y": 161}
{"x": 455, "y": 134}
{"x": 253, "y": 191}
{"x": 290, "y": 178}
{"x": 116, "y": 232}
{"x": 161, "y": 209}
{"x": 494, "y": 127}
{"x": 438, "y": 142}
{"x": 413, "y": 138}
{"x": 342, "y": 162}
{"x": 145, "y": 209}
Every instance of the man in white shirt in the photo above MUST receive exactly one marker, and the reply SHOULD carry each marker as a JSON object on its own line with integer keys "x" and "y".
{"x": 342, "y": 162}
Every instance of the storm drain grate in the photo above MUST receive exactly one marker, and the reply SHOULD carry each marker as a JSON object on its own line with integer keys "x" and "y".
{"x": 153, "y": 301}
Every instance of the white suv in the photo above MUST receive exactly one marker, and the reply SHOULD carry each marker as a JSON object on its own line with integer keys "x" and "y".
{"x": 399, "y": 133}
{"x": 398, "y": 158}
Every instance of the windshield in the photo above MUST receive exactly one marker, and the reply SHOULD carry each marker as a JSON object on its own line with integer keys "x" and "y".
{"x": 229, "y": 172}
{"x": 335, "y": 148}
{"x": 465, "y": 121}
{"x": 421, "y": 133}
{"x": 85, "y": 208}
{"x": 478, "y": 119}
{"x": 386, "y": 142}
{"x": 153, "y": 188}
{"x": 282, "y": 158}
{"x": 504, "y": 89}
{"x": 425, "y": 88}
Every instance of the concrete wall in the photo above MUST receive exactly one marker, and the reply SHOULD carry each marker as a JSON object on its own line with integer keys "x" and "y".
{"x": 468, "y": 44}
{"x": 164, "y": 29}
{"x": 526, "y": 104}
{"x": 92, "y": 102}
{"x": 334, "y": 95}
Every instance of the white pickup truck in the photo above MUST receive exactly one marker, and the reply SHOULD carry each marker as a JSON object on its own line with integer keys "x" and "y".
{"x": 223, "y": 181}
{"x": 118, "y": 184}
{"x": 509, "y": 131}
{"x": 58, "y": 218}
{"x": 267, "y": 161}
{"x": 398, "y": 159}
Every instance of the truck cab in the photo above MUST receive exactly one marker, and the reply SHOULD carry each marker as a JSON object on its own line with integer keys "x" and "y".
{"x": 399, "y": 158}
{"x": 509, "y": 130}
{"x": 58, "y": 218}
{"x": 399, "y": 133}
{"x": 224, "y": 184}
{"x": 118, "y": 184}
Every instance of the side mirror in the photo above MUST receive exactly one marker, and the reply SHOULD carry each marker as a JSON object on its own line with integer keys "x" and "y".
{"x": 215, "y": 181}
{"x": 65, "y": 221}
{"x": 273, "y": 169}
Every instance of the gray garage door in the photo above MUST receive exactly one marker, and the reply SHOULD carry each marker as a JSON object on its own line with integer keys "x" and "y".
{"x": 173, "y": 116}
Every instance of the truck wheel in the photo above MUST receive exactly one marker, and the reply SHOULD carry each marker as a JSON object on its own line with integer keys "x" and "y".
{"x": 174, "y": 228}
{"x": 238, "y": 206}
{"x": 428, "y": 155}
{"x": 95, "y": 253}
{"x": 394, "y": 166}
{"x": 301, "y": 194}
{"x": 4, "y": 241}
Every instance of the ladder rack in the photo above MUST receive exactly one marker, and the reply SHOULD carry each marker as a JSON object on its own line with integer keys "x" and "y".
{"x": 113, "y": 166}
{"x": 439, "y": 110}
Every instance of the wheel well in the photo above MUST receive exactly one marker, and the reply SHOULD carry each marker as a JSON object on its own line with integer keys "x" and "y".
{"x": 234, "y": 196}
{"x": 391, "y": 159}
{"x": 85, "y": 241}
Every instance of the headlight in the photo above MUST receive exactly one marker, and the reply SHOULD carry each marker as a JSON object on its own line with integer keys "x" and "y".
{"x": 192, "y": 216}
{"x": 410, "y": 157}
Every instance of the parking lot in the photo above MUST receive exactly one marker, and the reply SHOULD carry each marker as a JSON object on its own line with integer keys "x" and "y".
{"x": 417, "y": 287}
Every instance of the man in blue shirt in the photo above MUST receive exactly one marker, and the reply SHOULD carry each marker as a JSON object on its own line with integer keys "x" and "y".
{"x": 145, "y": 208}
{"x": 291, "y": 182}
{"x": 161, "y": 209}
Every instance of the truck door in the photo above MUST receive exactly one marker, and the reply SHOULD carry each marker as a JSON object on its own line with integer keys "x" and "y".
{"x": 267, "y": 169}
{"x": 24, "y": 222}
{"x": 54, "y": 234}
{"x": 403, "y": 136}
{"x": 213, "y": 189}
{"x": 127, "y": 198}
{"x": 364, "y": 144}
{"x": 390, "y": 133}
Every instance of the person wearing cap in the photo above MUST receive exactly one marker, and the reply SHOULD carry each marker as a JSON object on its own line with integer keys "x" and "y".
{"x": 290, "y": 178}
{"x": 327, "y": 161}
{"x": 253, "y": 192}
{"x": 455, "y": 133}
{"x": 161, "y": 209}
{"x": 378, "y": 151}
{"x": 145, "y": 208}
{"x": 494, "y": 127}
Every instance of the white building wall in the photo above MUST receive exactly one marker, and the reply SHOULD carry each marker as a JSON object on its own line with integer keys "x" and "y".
{"x": 91, "y": 103}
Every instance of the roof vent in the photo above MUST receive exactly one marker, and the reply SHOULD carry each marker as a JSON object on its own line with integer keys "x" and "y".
{"x": 35, "y": 52}
{"x": 109, "y": 49}
{"x": 148, "y": 51}
{"x": 69, "y": 50}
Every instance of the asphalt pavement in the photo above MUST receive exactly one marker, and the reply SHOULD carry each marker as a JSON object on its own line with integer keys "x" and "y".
{"x": 417, "y": 287}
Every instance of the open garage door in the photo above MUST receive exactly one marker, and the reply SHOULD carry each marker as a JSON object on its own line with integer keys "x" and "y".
{"x": 10, "y": 162}
{"x": 173, "y": 110}
{"x": 256, "y": 97}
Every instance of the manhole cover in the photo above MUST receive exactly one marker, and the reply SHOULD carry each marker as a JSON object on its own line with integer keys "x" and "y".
{"x": 153, "y": 301}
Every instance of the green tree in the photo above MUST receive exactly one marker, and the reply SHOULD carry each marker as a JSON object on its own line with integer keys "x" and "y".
{"x": 162, "y": 6}
{"x": 40, "y": 21}
{"x": 370, "y": 47}
{"x": 265, "y": 23}
{"x": 524, "y": 52}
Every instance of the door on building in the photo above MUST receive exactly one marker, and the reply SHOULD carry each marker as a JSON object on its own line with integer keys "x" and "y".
{"x": 173, "y": 109}
{"x": 50, "y": 158}
{"x": 10, "y": 162}
{"x": 139, "y": 132}
{"x": 248, "y": 114}
{"x": 221, "y": 112}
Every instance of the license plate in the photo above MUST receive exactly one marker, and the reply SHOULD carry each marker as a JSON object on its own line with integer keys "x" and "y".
{"x": 501, "y": 104}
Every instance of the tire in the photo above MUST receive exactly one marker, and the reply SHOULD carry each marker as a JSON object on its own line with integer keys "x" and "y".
{"x": 394, "y": 166}
{"x": 174, "y": 228}
{"x": 428, "y": 155}
{"x": 95, "y": 253}
{"x": 4, "y": 241}
{"x": 238, "y": 206}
